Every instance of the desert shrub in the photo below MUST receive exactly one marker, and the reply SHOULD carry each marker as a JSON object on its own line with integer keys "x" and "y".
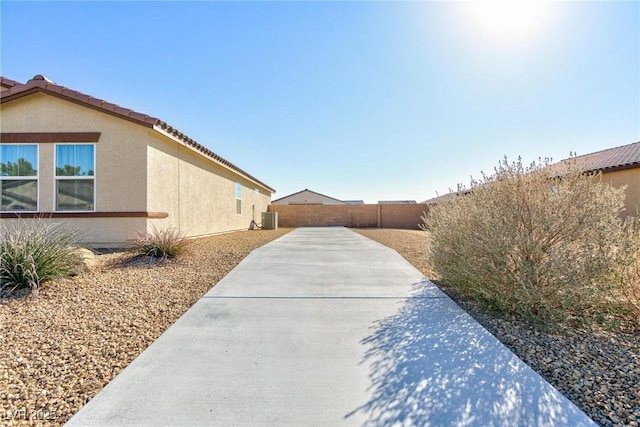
{"x": 534, "y": 241}
{"x": 34, "y": 252}
{"x": 167, "y": 243}
{"x": 626, "y": 270}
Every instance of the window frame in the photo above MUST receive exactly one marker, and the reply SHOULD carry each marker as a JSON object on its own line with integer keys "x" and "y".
{"x": 35, "y": 178}
{"x": 238, "y": 198}
{"x": 57, "y": 178}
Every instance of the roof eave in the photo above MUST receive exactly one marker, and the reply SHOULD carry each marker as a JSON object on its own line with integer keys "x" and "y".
{"x": 182, "y": 139}
{"x": 616, "y": 167}
{"x": 18, "y": 92}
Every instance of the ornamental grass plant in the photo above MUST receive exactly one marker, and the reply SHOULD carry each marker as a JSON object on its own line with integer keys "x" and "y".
{"x": 538, "y": 242}
{"x": 33, "y": 252}
{"x": 163, "y": 244}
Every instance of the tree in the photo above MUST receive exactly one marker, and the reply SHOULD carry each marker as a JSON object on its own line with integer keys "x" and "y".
{"x": 68, "y": 170}
{"x": 20, "y": 168}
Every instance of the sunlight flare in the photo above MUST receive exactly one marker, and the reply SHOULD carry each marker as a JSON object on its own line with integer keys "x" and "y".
{"x": 509, "y": 20}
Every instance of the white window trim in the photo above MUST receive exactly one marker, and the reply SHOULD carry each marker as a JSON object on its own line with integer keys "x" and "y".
{"x": 27, "y": 178}
{"x": 238, "y": 187}
{"x": 63, "y": 178}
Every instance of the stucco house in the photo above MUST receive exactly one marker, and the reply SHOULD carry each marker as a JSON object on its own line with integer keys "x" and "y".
{"x": 619, "y": 167}
{"x": 308, "y": 197}
{"x": 111, "y": 172}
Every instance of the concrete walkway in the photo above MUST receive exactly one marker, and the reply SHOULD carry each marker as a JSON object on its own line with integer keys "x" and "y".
{"x": 325, "y": 327}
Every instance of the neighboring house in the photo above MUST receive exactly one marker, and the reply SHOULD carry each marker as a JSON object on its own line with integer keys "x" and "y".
{"x": 112, "y": 172}
{"x": 444, "y": 198}
{"x": 620, "y": 166}
{"x": 307, "y": 197}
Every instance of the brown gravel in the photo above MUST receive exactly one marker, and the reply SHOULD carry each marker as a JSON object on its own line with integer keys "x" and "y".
{"x": 61, "y": 348}
{"x": 599, "y": 371}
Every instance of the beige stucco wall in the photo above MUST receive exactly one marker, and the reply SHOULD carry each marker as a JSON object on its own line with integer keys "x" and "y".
{"x": 120, "y": 178}
{"x": 198, "y": 194}
{"x": 630, "y": 178}
{"x": 137, "y": 169}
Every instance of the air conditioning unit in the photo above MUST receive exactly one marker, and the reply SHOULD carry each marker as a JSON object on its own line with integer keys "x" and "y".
{"x": 269, "y": 220}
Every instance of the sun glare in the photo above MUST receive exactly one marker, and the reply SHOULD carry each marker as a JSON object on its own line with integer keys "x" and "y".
{"x": 509, "y": 20}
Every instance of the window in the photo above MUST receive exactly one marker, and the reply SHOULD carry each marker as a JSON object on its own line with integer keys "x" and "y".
{"x": 75, "y": 177}
{"x": 238, "y": 198}
{"x": 19, "y": 177}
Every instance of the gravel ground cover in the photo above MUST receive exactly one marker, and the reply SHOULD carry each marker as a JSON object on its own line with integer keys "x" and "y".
{"x": 61, "y": 348}
{"x": 598, "y": 370}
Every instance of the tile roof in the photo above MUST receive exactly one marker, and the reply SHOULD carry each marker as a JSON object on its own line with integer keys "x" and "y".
{"x": 40, "y": 83}
{"x": 8, "y": 83}
{"x": 623, "y": 157}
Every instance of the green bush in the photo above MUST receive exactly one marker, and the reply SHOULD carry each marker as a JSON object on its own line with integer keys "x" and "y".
{"x": 167, "y": 243}
{"x": 526, "y": 241}
{"x": 34, "y": 252}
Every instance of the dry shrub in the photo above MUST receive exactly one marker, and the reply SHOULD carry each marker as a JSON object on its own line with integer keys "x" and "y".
{"x": 626, "y": 270}
{"x": 167, "y": 243}
{"x": 526, "y": 241}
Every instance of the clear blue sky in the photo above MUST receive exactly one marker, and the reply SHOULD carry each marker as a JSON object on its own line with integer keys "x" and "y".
{"x": 356, "y": 100}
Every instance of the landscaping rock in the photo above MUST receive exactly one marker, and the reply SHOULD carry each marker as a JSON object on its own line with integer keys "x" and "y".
{"x": 61, "y": 348}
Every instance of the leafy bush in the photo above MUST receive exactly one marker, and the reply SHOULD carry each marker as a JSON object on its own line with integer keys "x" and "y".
{"x": 526, "y": 241}
{"x": 167, "y": 243}
{"x": 34, "y": 252}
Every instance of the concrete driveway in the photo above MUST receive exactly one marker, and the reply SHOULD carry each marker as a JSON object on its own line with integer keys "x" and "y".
{"x": 325, "y": 327}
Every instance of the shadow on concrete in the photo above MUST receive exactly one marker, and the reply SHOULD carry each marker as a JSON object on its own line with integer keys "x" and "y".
{"x": 432, "y": 364}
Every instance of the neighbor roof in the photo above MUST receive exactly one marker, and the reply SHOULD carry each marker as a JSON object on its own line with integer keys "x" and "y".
{"x": 310, "y": 191}
{"x": 623, "y": 157}
{"x": 616, "y": 158}
{"x": 15, "y": 90}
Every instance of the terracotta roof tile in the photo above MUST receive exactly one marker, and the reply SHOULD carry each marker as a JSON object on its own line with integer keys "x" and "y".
{"x": 8, "y": 83}
{"x": 82, "y": 97}
{"x": 623, "y": 157}
{"x": 613, "y": 158}
{"x": 40, "y": 83}
{"x": 93, "y": 101}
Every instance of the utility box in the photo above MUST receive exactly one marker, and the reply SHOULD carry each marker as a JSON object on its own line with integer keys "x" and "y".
{"x": 269, "y": 220}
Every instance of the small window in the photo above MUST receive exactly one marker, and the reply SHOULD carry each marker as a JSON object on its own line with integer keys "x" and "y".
{"x": 238, "y": 198}
{"x": 19, "y": 177}
{"x": 75, "y": 177}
